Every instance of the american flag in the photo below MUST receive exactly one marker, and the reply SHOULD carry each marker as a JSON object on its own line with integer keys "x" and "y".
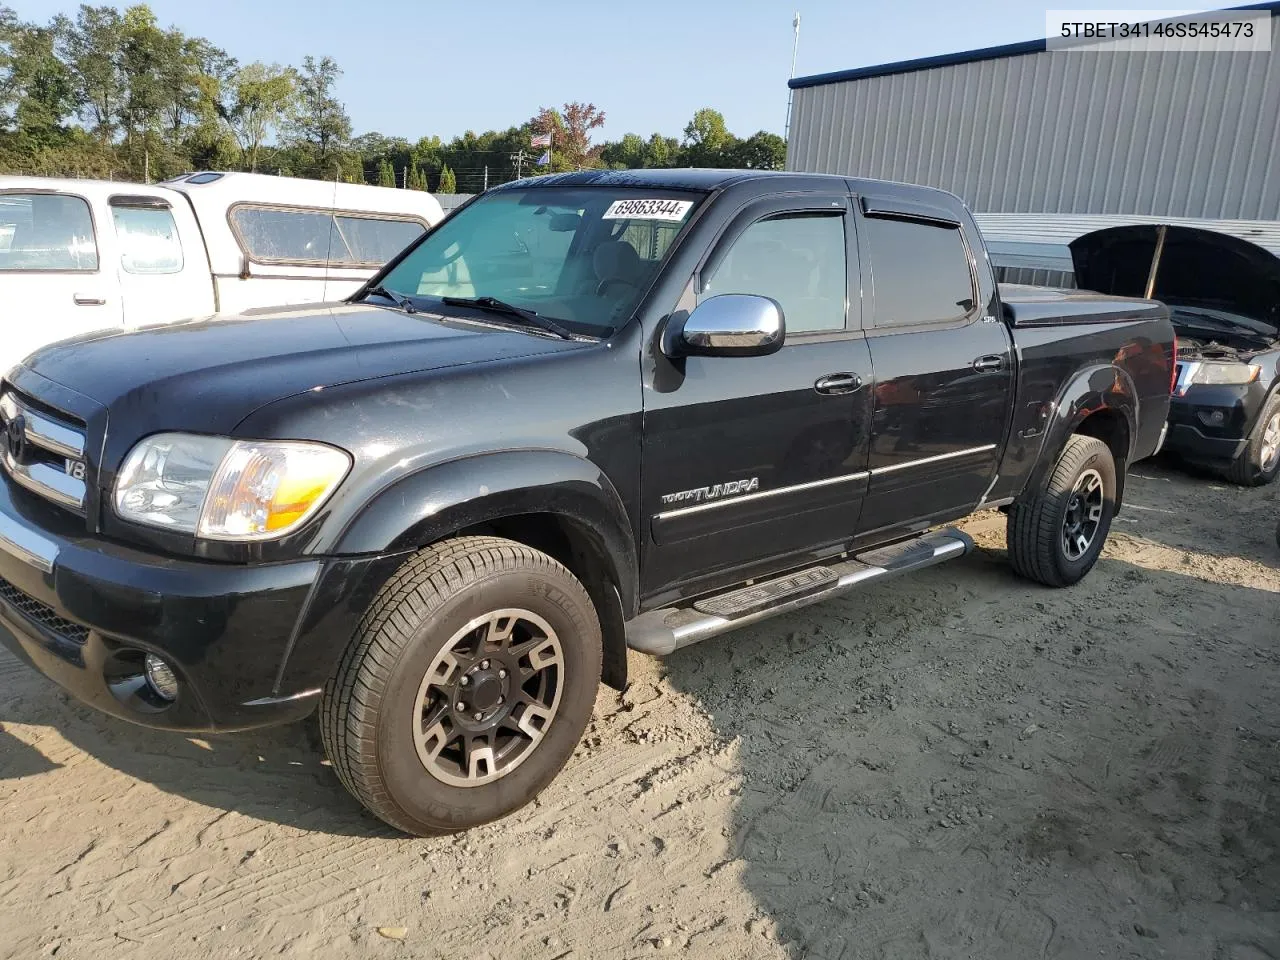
{"x": 541, "y": 140}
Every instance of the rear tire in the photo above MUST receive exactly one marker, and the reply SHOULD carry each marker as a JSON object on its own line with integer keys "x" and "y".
{"x": 477, "y": 619}
{"x": 1056, "y": 536}
{"x": 1259, "y": 462}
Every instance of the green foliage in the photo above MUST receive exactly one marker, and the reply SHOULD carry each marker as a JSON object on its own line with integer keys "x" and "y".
{"x": 318, "y": 125}
{"x": 110, "y": 92}
{"x": 253, "y": 102}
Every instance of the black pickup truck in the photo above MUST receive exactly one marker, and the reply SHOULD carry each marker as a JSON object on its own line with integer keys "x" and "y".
{"x": 586, "y": 412}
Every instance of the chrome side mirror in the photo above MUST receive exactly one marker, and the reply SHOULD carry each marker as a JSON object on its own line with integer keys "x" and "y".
{"x": 728, "y": 325}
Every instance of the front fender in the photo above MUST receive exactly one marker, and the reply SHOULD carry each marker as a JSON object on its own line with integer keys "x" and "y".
{"x": 1102, "y": 387}
{"x": 438, "y": 501}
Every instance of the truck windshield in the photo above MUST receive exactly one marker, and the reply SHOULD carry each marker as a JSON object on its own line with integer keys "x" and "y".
{"x": 582, "y": 256}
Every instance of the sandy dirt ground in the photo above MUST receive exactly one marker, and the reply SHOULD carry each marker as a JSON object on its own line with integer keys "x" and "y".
{"x": 956, "y": 764}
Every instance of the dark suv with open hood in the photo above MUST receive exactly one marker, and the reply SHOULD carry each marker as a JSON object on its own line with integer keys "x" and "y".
{"x": 1224, "y": 299}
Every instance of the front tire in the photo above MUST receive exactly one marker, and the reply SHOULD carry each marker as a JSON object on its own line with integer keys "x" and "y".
{"x": 1056, "y": 536}
{"x": 466, "y": 688}
{"x": 1259, "y": 462}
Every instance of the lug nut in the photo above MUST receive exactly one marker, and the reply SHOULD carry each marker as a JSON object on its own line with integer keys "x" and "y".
{"x": 464, "y": 681}
{"x": 478, "y": 714}
{"x": 462, "y": 707}
{"x": 502, "y": 674}
{"x": 484, "y": 664}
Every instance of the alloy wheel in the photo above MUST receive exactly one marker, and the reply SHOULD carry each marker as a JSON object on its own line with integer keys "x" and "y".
{"x": 488, "y": 698}
{"x": 1084, "y": 515}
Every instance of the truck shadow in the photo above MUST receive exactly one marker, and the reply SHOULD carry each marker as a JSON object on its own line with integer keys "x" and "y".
{"x": 963, "y": 764}
{"x": 277, "y": 775}
{"x": 1188, "y": 508}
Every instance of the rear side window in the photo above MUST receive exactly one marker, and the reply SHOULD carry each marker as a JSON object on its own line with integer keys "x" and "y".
{"x": 286, "y": 235}
{"x": 919, "y": 272}
{"x": 369, "y": 240}
{"x": 149, "y": 242}
{"x": 44, "y": 231}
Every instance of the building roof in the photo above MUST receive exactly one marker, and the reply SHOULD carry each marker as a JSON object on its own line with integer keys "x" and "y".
{"x": 964, "y": 56}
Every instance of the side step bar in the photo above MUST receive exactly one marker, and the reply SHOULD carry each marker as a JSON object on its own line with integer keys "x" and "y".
{"x": 664, "y": 631}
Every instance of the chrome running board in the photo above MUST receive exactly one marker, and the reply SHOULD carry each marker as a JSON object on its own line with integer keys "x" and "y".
{"x": 664, "y": 631}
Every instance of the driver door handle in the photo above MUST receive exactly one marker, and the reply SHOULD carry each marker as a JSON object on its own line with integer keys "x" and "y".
{"x": 988, "y": 363}
{"x": 838, "y": 383}
{"x": 88, "y": 300}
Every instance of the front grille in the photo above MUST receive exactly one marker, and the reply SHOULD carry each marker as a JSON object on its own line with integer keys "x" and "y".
{"x": 45, "y": 455}
{"x": 33, "y": 611}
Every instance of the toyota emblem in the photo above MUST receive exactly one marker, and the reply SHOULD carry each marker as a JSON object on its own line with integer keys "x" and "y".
{"x": 16, "y": 437}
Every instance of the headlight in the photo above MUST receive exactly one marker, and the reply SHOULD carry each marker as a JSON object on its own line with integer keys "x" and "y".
{"x": 223, "y": 489}
{"x": 1225, "y": 373}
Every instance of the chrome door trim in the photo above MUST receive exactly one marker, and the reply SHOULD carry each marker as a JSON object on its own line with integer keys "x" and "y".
{"x": 812, "y": 484}
{"x": 935, "y": 459}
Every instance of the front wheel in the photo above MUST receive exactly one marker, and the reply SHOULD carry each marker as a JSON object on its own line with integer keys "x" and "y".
{"x": 1259, "y": 462}
{"x": 467, "y": 687}
{"x": 1056, "y": 536}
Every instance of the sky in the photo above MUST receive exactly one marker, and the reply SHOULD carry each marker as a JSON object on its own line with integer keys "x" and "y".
{"x": 420, "y": 68}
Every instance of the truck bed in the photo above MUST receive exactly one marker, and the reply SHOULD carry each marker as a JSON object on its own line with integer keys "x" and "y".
{"x": 1029, "y": 306}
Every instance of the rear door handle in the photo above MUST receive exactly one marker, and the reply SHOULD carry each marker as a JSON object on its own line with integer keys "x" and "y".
{"x": 988, "y": 363}
{"x": 88, "y": 300}
{"x": 837, "y": 383}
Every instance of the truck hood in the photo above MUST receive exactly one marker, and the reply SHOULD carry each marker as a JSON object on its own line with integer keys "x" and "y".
{"x": 222, "y": 370}
{"x": 1197, "y": 269}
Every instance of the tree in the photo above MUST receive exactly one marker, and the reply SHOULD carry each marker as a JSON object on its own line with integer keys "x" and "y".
{"x": 417, "y": 179}
{"x": 707, "y": 140}
{"x": 92, "y": 49}
{"x": 760, "y": 151}
{"x": 386, "y": 173}
{"x": 319, "y": 123}
{"x": 257, "y": 99}
{"x": 36, "y": 85}
{"x": 448, "y": 182}
{"x": 627, "y": 153}
{"x": 570, "y": 131}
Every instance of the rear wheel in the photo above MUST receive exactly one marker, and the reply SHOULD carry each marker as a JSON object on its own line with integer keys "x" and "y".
{"x": 1055, "y": 537}
{"x": 1259, "y": 462}
{"x": 467, "y": 687}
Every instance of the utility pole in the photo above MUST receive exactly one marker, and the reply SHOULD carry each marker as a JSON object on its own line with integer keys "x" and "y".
{"x": 519, "y": 159}
{"x": 795, "y": 47}
{"x": 486, "y": 177}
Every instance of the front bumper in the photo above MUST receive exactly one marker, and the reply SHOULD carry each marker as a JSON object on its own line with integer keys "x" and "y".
{"x": 1211, "y": 423}
{"x": 251, "y": 644}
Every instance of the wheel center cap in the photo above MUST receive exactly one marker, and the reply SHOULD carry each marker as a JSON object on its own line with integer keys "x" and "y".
{"x": 486, "y": 691}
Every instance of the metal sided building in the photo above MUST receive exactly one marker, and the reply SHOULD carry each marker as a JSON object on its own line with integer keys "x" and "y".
{"x": 1018, "y": 129}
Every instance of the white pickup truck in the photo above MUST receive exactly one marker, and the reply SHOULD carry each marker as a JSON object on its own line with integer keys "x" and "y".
{"x": 83, "y": 255}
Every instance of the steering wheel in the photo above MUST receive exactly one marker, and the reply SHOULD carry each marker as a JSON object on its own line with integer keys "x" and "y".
{"x": 449, "y": 258}
{"x": 607, "y": 282}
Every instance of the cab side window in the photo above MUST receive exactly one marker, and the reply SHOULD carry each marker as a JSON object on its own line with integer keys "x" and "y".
{"x": 796, "y": 259}
{"x": 46, "y": 231}
{"x": 149, "y": 242}
{"x": 919, "y": 272}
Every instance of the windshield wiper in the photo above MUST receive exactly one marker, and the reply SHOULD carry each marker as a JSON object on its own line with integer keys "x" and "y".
{"x": 399, "y": 299}
{"x": 494, "y": 305}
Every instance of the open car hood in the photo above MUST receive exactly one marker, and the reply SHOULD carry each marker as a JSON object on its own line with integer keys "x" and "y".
{"x": 1196, "y": 268}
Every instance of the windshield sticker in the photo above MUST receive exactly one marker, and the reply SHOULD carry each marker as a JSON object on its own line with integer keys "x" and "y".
{"x": 673, "y": 210}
